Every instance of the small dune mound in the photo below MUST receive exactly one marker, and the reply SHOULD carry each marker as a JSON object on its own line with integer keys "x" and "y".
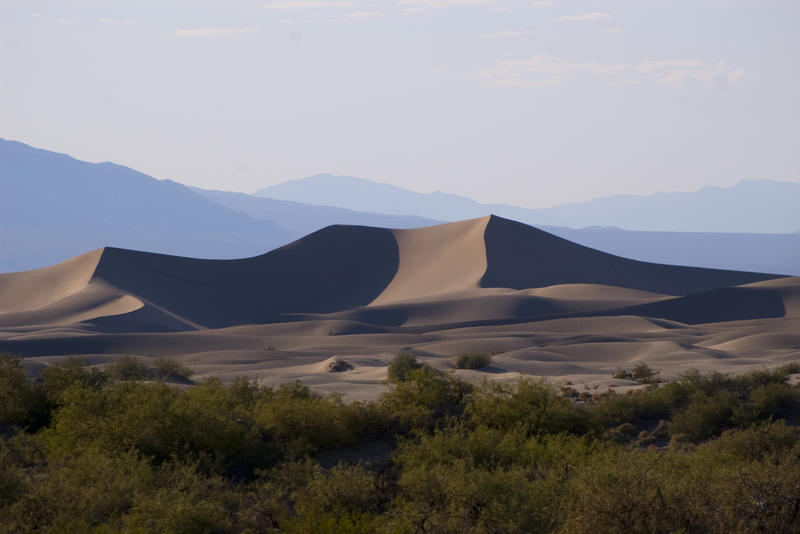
{"x": 336, "y": 365}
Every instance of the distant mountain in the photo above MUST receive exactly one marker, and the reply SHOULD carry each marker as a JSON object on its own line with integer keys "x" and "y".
{"x": 764, "y": 253}
{"x": 53, "y": 206}
{"x": 360, "y": 195}
{"x": 301, "y": 219}
{"x": 751, "y": 206}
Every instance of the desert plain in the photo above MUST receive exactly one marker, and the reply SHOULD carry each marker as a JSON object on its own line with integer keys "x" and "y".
{"x": 540, "y": 305}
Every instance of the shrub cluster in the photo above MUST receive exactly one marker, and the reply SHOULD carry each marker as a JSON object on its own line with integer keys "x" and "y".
{"x": 641, "y": 372}
{"x": 472, "y": 360}
{"x": 84, "y": 450}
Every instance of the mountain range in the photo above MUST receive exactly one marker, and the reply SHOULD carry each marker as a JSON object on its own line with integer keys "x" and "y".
{"x": 54, "y": 207}
{"x": 751, "y": 206}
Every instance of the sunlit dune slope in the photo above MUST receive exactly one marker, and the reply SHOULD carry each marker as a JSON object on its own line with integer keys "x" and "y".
{"x": 487, "y": 268}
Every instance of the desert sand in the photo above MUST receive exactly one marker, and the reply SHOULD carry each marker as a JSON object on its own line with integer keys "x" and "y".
{"x": 542, "y": 305}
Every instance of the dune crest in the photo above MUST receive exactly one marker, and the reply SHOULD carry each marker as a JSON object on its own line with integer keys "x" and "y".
{"x": 29, "y": 290}
{"x": 343, "y": 268}
{"x": 539, "y": 304}
{"x": 438, "y": 259}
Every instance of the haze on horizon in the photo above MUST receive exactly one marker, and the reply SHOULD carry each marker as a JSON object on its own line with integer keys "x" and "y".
{"x": 532, "y": 103}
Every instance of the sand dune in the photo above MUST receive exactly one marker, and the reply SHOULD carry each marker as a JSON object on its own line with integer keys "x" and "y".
{"x": 541, "y": 304}
{"x": 343, "y": 267}
{"x": 33, "y": 289}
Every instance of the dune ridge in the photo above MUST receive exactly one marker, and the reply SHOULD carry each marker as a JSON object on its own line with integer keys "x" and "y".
{"x": 543, "y": 305}
{"x": 346, "y": 267}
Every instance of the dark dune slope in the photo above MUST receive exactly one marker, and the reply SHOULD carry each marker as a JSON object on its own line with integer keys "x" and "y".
{"x": 330, "y": 270}
{"x": 440, "y": 274}
{"x": 520, "y": 256}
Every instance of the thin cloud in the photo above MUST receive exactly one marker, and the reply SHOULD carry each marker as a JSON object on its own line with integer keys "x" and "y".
{"x": 214, "y": 32}
{"x": 543, "y": 3}
{"x": 445, "y": 3}
{"x": 612, "y": 30}
{"x": 125, "y": 22}
{"x": 66, "y": 21}
{"x": 595, "y": 15}
{"x": 507, "y": 34}
{"x": 544, "y": 70}
{"x": 364, "y": 15}
{"x": 300, "y": 5}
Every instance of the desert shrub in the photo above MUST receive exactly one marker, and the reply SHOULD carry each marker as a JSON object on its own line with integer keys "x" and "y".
{"x": 773, "y": 400}
{"x": 426, "y": 395}
{"x": 71, "y": 372}
{"x": 303, "y": 421}
{"x": 644, "y": 373}
{"x": 140, "y": 456}
{"x": 533, "y": 405}
{"x": 161, "y": 422}
{"x": 128, "y": 368}
{"x": 749, "y": 478}
{"x": 622, "y": 374}
{"x": 472, "y": 360}
{"x": 344, "y": 499}
{"x": 181, "y": 500}
{"x": 757, "y": 442}
{"x": 496, "y": 481}
{"x": 625, "y": 491}
{"x": 13, "y": 481}
{"x": 22, "y": 403}
{"x": 167, "y": 369}
{"x": 636, "y": 406}
{"x": 79, "y": 492}
{"x": 706, "y": 415}
{"x": 400, "y": 366}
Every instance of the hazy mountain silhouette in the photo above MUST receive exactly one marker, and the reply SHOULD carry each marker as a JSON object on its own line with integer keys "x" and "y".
{"x": 751, "y": 206}
{"x": 765, "y": 253}
{"x": 300, "y": 219}
{"x": 53, "y": 206}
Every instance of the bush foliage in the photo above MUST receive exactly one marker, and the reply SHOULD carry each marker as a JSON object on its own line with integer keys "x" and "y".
{"x": 83, "y": 450}
{"x": 472, "y": 360}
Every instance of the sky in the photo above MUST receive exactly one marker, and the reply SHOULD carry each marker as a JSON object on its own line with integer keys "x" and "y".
{"x": 532, "y": 103}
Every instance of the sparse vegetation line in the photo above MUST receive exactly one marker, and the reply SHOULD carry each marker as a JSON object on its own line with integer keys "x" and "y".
{"x": 121, "y": 450}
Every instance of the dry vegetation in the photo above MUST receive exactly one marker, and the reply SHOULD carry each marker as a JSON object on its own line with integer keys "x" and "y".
{"x": 119, "y": 451}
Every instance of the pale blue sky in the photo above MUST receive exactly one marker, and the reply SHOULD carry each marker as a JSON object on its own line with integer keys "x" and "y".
{"x": 522, "y": 102}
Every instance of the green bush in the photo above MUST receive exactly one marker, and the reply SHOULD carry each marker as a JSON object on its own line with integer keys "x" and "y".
{"x": 146, "y": 456}
{"x": 342, "y": 500}
{"x": 622, "y": 374}
{"x": 706, "y": 415}
{"x": 644, "y": 373}
{"x": 305, "y": 422}
{"x": 773, "y": 400}
{"x": 167, "y": 369}
{"x": 71, "y": 372}
{"x": 400, "y": 367}
{"x": 22, "y": 403}
{"x": 472, "y": 360}
{"x": 128, "y": 368}
{"x": 532, "y": 405}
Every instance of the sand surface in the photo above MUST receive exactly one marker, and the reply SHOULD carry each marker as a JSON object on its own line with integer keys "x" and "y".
{"x": 543, "y": 306}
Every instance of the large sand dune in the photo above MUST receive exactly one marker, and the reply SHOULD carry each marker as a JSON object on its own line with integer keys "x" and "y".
{"x": 544, "y": 305}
